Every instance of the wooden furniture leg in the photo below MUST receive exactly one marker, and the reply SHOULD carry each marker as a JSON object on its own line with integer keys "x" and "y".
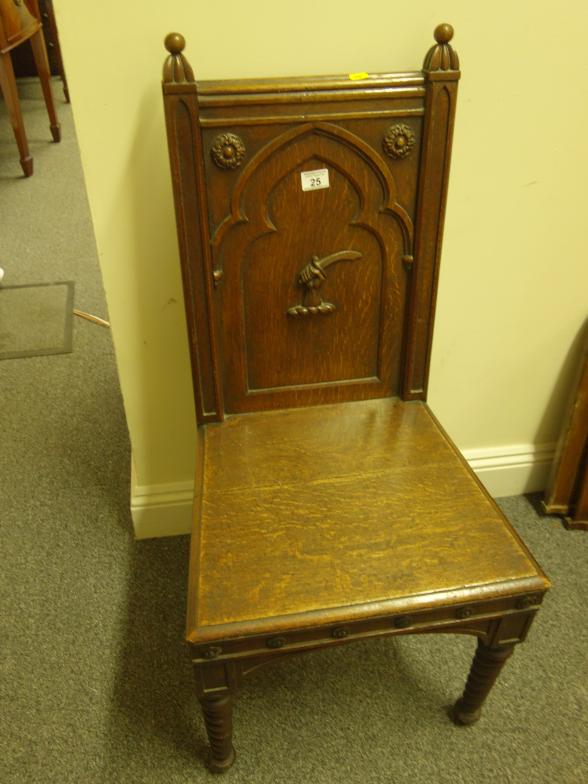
{"x": 570, "y": 464}
{"x": 216, "y": 685}
{"x": 9, "y": 90}
{"x": 487, "y": 664}
{"x": 579, "y": 518}
{"x": 49, "y": 20}
{"x": 42, "y": 63}
{"x": 218, "y": 718}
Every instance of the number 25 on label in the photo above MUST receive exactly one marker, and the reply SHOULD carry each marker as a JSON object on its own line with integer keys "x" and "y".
{"x": 314, "y": 180}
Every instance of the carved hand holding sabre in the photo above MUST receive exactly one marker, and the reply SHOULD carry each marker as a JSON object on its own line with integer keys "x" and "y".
{"x": 311, "y": 277}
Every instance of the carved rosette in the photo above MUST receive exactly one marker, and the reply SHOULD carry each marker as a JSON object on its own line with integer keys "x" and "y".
{"x": 228, "y": 151}
{"x": 398, "y": 141}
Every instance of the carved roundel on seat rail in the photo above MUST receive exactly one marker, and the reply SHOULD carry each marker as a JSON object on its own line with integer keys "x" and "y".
{"x": 398, "y": 141}
{"x": 228, "y": 151}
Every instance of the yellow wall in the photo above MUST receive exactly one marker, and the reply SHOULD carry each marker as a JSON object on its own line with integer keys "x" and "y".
{"x": 514, "y": 279}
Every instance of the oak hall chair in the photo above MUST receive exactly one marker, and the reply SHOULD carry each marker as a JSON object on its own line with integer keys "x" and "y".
{"x": 20, "y": 21}
{"x": 331, "y": 506}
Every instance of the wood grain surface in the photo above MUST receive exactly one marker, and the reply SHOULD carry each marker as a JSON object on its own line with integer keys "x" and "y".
{"x": 579, "y": 517}
{"x": 361, "y": 502}
{"x": 570, "y": 463}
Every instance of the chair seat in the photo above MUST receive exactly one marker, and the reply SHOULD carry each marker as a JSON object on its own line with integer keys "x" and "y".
{"x": 342, "y": 512}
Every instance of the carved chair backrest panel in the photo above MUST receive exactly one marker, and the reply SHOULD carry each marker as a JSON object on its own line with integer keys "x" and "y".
{"x": 309, "y": 215}
{"x": 313, "y": 289}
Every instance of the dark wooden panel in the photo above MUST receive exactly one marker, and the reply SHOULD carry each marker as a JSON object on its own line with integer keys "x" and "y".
{"x": 268, "y": 108}
{"x": 434, "y": 175}
{"x": 275, "y": 229}
{"x": 572, "y": 446}
{"x": 288, "y": 85}
{"x": 478, "y": 618}
{"x": 195, "y": 254}
{"x": 579, "y": 517}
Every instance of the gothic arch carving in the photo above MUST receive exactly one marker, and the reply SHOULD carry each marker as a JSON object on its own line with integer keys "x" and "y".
{"x": 377, "y": 165}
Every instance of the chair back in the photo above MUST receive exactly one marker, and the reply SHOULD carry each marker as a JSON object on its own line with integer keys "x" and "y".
{"x": 310, "y": 216}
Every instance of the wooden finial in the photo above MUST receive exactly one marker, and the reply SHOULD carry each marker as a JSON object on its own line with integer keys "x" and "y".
{"x": 443, "y": 33}
{"x": 442, "y": 57}
{"x": 174, "y": 43}
{"x": 176, "y": 68}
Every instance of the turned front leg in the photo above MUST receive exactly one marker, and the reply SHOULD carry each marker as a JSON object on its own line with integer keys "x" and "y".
{"x": 218, "y": 718}
{"x": 217, "y": 683}
{"x": 487, "y": 664}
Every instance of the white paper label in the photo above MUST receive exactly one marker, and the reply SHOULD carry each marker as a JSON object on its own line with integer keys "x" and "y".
{"x": 314, "y": 180}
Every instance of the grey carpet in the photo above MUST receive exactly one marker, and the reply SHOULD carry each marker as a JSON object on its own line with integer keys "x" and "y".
{"x": 36, "y": 319}
{"x": 96, "y": 686}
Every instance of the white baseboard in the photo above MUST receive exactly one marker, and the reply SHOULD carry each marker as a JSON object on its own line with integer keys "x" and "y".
{"x": 166, "y": 510}
{"x": 512, "y": 470}
{"x": 162, "y": 510}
